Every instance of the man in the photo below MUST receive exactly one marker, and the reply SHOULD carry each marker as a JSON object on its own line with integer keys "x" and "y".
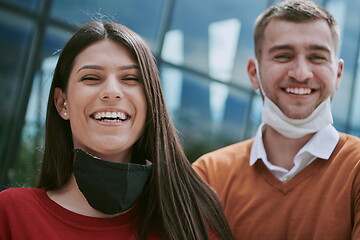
{"x": 298, "y": 178}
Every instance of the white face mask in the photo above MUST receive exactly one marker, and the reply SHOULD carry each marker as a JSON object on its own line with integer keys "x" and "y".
{"x": 294, "y": 128}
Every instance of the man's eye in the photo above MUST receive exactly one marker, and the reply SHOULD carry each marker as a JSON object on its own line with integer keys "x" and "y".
{"x": 283, "y": 57}
{"x": 317, "y": 58}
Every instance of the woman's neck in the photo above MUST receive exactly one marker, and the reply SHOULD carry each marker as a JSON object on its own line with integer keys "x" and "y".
{"x": 71, "y": 198}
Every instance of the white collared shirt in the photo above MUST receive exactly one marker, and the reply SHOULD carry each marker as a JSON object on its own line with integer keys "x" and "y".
{"x": 321, "y": 145}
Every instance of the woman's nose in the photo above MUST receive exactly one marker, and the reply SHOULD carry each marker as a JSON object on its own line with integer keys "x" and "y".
{"x": 112, "y": 89}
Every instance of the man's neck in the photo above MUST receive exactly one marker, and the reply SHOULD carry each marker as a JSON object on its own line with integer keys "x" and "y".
{"x": 281, "y": 150}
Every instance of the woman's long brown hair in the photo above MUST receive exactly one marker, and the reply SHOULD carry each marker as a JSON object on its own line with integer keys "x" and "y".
{"x": 178, "y": 203}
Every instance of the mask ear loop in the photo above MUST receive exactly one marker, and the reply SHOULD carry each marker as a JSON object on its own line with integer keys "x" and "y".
{"x": 262, "y": 92}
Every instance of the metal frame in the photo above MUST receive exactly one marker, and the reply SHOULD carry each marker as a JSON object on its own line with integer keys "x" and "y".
{"x": 42, "y": 20}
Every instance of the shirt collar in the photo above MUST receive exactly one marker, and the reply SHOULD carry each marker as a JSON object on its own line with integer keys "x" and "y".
{"x": 258, "y": 149}
{"x": 326, "y": 137}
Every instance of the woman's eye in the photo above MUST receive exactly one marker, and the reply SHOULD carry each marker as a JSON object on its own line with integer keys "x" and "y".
{"x": 89, "y": 78}
{"x": 131, "y": 80}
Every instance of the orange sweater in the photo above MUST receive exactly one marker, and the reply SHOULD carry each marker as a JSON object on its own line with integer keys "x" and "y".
{"x": 320, "y": 202}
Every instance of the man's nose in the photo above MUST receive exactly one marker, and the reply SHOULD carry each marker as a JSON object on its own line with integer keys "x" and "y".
{"x": 300, "y": 70}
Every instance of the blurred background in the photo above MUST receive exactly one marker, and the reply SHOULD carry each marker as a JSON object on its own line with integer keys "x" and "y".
{"x": 201, "y": 47}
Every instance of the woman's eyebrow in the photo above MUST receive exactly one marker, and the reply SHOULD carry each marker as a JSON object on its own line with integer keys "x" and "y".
{"x": 126, "y": 67}
{"x": 97, "y": 67}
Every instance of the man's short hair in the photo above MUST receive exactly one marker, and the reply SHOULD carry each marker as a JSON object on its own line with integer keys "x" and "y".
{"x": 297, "y": 11}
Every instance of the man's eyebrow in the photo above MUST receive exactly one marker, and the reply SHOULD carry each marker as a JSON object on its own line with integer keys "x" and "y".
{"x": 97, "y": 67}
{"x": 291, "y": 48}
{"x": 281, "y": 47}
{"x": 319, "y": 48}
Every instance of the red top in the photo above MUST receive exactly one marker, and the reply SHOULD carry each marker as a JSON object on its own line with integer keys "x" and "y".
{"x": 28, "y": 213}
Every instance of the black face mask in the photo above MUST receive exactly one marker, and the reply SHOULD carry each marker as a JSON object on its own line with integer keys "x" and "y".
{"x": 109, "y": 187}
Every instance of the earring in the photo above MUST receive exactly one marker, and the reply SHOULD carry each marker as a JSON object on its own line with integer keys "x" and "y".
{"x": 65, "y": 114}
{"x": 65, "y": 104}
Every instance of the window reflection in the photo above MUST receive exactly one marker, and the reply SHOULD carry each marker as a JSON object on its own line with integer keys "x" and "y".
{"x": 144, "y": 17}
{"x": 201, "y": 45}
{"x": 223, "y": 41}
{"x": 15, "y": 41}
{"x": 355, "y": 123}
{"x": 30, "y": 4}
{"x": 346, "y": 100}
{"x": 202, "y": 124}
{"x": 173, "y": 52}
{"x": 24, "y": 171}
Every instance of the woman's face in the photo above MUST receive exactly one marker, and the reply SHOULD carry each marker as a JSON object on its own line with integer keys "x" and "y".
{"x": 105, "y": 101}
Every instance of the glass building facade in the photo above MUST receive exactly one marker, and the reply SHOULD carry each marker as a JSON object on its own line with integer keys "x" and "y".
{"x": 202, "y": 48}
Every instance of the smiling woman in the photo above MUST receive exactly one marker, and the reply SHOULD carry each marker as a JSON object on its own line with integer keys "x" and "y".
{"x": 106, "y": 102}
{"x": 113, "y": 167}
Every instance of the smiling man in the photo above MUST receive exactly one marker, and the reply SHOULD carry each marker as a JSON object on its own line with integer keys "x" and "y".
{"x": 298, "y": 178}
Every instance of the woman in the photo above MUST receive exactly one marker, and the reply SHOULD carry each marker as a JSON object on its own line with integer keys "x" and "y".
{"x": 128, "y": 176}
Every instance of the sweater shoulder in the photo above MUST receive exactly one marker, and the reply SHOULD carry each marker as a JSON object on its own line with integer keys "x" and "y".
{"x": 19, "y": 196}
{"x": 239, "y": 149}
{"x": 350, "y": 139}
{"x": 349, "y": 145}
{"x": 226, "y": 157}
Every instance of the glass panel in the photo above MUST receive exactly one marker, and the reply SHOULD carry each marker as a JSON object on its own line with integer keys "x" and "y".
{"x": 340, "y": 104}
{"x": 255, "y": 115}
{"x": 346, "y": 100}
{"x": 338, "y": 9}
{"x": 15, "y": 41}
{"x": 355, "y": 132}
{"x": 32, "y": 138}
{"x": 31, "y": 4}
{"x": 207, "y": 114}
{"x": 218, "y": 41}
{"x": 318, "y": 1}
{"x": 353, "y": 30}
{"x": 144, "y": 17}
{"x": 355, "y": 119}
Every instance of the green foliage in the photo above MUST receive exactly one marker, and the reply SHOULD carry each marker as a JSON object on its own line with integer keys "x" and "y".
{"x": 25, "y": 171}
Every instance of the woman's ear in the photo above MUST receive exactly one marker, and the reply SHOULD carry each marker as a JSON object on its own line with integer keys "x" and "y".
{"x": 61, "y": 104}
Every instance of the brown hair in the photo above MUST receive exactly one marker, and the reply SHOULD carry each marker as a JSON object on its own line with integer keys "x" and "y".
{"x": 177, "y": 202}
{"x": 293, "y": 11}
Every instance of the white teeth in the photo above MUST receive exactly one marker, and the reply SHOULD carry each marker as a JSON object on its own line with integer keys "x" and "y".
{"x": 111, "y": 116}
{"x": 97, "y": 116}
{"x": 299, "y": 91}
{"x": 122, "y": 115}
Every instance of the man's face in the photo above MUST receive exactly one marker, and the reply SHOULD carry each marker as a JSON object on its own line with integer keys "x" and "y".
{"x": 298, "y": 66}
